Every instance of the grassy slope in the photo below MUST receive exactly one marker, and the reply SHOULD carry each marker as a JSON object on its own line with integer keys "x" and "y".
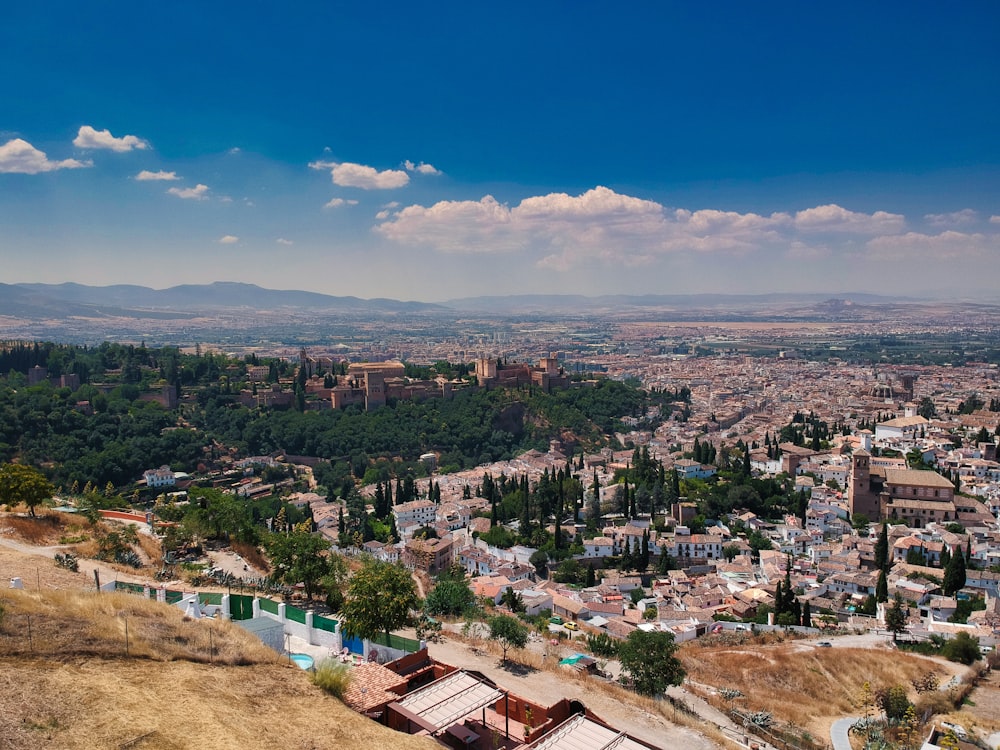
{"x": 72, "y": 686}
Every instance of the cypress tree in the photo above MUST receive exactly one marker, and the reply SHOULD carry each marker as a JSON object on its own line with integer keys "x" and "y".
{"x": 882, "y": 588}
{"x": 954, "y": 574}
{"x": 882, "y": 550}
{"x": 806, "y": 615}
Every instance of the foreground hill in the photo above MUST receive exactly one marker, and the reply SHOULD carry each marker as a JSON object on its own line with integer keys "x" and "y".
{"x": 183, "y": 684}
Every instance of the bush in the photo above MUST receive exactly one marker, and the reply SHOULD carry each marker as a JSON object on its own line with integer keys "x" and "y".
{"x": 331, "y": 677}
{"x": 963, "y": 648}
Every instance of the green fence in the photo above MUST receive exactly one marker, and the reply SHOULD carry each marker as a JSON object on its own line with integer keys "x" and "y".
{"x": 324, "y": 623}
{"x": 295, "y": 614}
{"x": 397, "y": 642}
{"x": 210, "y": 598}
{"x": 269, "y": 605}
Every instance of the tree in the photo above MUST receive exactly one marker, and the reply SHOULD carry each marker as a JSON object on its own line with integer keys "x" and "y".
{"x": 954, "y": 574}
{"x": 882, "y": 588}
{"x": 24, "y": 484}
{"x": 449, "y": 597}
{"x": 963, "y": 648}
{"x": 894, "y": 702}
{"x": 379, "y": 598}
{"x": 299, "y": 557}
{"x": 648, "y": 661}
{"x": 508, "y": 632}
{"x": 882, "y": 549}
{"x": 895, "y": 617}
{"x": 730, "y": 551}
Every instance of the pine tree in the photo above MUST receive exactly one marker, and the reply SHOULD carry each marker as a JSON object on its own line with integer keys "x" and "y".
{"x": 806, "y": 615}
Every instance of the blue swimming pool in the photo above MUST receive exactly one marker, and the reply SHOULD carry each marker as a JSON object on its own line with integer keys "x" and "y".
{"x": 303, "y": 660}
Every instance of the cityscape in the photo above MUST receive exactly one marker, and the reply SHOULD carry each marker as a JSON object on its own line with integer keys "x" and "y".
{"x": 528, "y": 377}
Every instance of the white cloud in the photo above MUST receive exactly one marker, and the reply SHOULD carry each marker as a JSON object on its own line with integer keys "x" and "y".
{"x": 347, "y": 174}
{"x": 338, "y": 202}
{"x": 834, "y": 218}
{"x": 383, "y": 214}
{"x": 420, "y": 168}
{"x": 198, "y": 192}
{"x": 228, "y": 239}
{"x": 20, "y": 157}
{"x": 995, "y": 220}
{"x": 948, "y": 245}
{"x": 391, "y": 204}
{"x": 88, "y": 137}
{"x": 161, "y": 175}
{"x": 283, "y": 241}
{"x": 955, "y": 218}
{"x": 234, "y": 150}
{"x": 608, "y": 228}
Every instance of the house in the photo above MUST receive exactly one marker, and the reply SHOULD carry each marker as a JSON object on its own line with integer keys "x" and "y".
{"x": 688, "y": 469}
{"x": 162, "y": 477}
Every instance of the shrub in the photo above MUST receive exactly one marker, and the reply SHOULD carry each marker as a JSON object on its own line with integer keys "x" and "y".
{"x": 963, "y": 648}
{"x": 331, "y": 677}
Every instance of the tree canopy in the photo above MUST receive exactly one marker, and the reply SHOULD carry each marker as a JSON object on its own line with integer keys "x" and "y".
{"x": 649, "y": 663}
{"x": 380, "y": 596}
{"x": 508, "y": 632}
{"x": 24, "y": 484}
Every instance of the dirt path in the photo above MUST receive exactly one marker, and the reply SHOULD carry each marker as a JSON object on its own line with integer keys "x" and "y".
{"x": 548, "y": 687}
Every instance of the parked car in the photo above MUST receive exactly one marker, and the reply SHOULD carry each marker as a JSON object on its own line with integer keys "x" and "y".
{"x": 570, "y": 625}
{"x": 824, "y": 644}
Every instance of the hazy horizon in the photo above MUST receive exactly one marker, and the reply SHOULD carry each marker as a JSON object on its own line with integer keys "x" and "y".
{"x": 462, "y": 151}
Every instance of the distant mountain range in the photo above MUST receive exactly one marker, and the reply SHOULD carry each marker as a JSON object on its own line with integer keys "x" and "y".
{"x": 55, "y": 301}
{"x": 125, "y": 300}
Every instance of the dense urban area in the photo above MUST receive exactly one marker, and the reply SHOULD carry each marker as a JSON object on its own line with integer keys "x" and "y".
{"x": 515, "y": 530}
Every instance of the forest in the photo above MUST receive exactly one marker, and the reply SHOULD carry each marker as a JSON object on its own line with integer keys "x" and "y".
{"x": 106, "y": 431}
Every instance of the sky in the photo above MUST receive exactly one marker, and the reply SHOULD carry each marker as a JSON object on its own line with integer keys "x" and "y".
{"x": 437, "y": 151}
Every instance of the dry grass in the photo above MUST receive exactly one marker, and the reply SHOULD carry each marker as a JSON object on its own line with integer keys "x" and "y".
{"x": 151, "y": 549}
{"x": 252, "y": 555}
{"x": 805, "y": 686}
{"x": 68, "y": 624}
{"x": 72, "y": 686}
{"x": 47, "y": 528}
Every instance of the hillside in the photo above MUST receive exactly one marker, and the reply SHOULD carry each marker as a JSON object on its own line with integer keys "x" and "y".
{"x": 184, "y": 684}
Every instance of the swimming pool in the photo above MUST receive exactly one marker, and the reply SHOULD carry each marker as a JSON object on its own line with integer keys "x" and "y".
{"x": 303, "y": 660}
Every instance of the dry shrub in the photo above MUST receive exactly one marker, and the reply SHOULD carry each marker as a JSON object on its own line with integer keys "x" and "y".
{"x": 252, "y": 555}
{"x": 44, "y": 529}
{"x": 151, "y": 548}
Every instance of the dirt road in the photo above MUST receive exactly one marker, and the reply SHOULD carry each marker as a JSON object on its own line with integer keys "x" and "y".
{"x": 549, "y": 686}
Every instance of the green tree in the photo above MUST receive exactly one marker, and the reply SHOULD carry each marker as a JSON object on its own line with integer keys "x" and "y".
{"x": 882, "y": 550}
{"x": 449, "y": 597}
{"x": 963, "y": 648}
{"x": 894, "y": 702}
{"x": 508, "y": 632}
{"x": 895, "y": 617}
{"x": 299, "y": 557}
{"x": 379, "y": 598}
{"x": 24, "y": 484}
{"x": 648, "y": 662}
{"x": 882, "y": 588}
{"x": 954, "y": 574}
{"x": 730, "y": 551}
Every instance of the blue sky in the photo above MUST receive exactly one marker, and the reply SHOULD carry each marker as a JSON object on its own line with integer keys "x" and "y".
{"x": 456, "y": 149}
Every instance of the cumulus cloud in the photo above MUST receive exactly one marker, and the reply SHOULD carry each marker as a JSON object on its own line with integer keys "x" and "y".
{"x": 88, "y": 137}
{"x": 421, "y": 168}
{"x": 197, "y": 193}
{"x": 161, "y": 175}
{"x": 228, "y": 239}
{"x": 946, "y": 245}
{"x": 609, "y": 228}
{"x": 338, "y": 202}
{"x": 348, "y": 174}
{"x": 995, "y": 220}
{"x": 17, "y": 156}
{"x": 834, "y": 218}
{"x": 283, "y": 241}
{"x": 955, "y": 218}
